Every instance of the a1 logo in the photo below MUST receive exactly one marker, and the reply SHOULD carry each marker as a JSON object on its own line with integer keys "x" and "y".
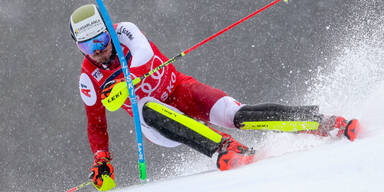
{"x": 84, "y": 90}
{"x": 87, "y": 90}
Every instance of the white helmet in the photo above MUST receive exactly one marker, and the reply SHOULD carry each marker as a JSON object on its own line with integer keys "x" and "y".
{"x": 86, "y": 23}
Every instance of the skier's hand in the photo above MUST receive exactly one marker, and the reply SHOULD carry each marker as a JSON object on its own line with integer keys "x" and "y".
{"x": 114, "y": 94}
{"x": 102, "y": 171}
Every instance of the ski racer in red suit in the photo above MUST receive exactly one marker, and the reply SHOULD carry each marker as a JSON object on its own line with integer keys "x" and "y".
{"x": 169, "y": 91}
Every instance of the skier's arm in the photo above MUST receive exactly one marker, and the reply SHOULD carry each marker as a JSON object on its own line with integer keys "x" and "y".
{"x": 97, "y": 128}
{"x": 131, "y": 36}
{"x": 115, "y": 93}
{"x": 96, "y": 117}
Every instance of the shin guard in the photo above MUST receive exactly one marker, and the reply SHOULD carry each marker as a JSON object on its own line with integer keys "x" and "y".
{"x": 277, "y": 117}
{"x": 180, "y": 128}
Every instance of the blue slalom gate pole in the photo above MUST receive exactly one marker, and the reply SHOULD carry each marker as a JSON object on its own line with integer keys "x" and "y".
{"x": 131, "y": 89}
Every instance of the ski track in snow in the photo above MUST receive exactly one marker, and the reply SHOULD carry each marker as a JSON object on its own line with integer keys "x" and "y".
{"x": 354, "y": 88}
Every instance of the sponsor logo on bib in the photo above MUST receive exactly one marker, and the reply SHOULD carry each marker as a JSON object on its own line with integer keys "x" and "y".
{"x": 97, "y": 74}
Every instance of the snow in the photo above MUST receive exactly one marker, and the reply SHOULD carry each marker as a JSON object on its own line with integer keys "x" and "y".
{"x": 337, "y": 166}
{"x": 341, "y": 166}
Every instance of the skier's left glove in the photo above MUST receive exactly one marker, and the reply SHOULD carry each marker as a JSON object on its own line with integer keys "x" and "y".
{"x": 102, "y": 171}
{"x": 114, "y": 94}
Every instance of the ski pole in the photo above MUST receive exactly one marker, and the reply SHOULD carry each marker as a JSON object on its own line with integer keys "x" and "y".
{"x": 131, "y": 90}
{"x": 138, "y": 79}
{"x": 79, "y": 187}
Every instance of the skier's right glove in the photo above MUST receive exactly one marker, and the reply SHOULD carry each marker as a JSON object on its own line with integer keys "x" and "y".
{"x": 102, "y": 171}
{"x": 114, "y": 94}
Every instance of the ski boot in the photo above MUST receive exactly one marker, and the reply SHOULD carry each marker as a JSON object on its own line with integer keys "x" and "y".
{"x": 352, "y": 129}
{"x": 233, "y": 154}
{"x": 349, "y": 129}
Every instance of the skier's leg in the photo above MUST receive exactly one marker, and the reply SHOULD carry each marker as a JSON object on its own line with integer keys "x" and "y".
{"x": 194, "y": 98}
{"x": 212, "y": 105}
{"x": 315, "y": 123}
{"x": 204, "y": 102}
{"x": 223, "y": 112}
{"x": 227, "y": 112}
{"x": 181, "y": 128}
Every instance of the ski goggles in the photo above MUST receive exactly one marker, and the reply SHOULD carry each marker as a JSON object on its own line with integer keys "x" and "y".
{"x": 100, "y": 42}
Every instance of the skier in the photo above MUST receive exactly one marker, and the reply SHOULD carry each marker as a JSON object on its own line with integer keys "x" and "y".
{"x": 172, "y": 105}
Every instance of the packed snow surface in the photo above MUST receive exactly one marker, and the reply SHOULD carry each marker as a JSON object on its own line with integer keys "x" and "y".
{"x": 340, "y": 166}
{"x": 334, "y": 165}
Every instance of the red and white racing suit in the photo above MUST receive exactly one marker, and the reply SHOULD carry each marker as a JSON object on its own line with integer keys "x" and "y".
{"x": 166, "y": 85}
